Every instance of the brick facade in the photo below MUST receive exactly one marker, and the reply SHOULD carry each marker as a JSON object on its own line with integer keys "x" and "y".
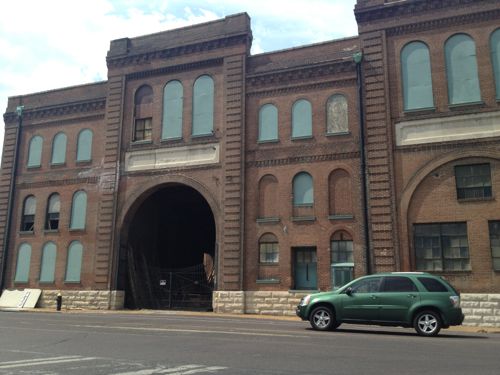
{"x": 248, "y": 183}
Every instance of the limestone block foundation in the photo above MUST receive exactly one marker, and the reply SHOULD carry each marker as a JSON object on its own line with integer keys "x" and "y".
{"x": 83, "y": 299}
{"x": 481, "y": 309}
{"x": 262, "y": 303}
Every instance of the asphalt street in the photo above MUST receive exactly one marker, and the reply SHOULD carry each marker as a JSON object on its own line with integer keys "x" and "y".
{"x": 176, "y": 343}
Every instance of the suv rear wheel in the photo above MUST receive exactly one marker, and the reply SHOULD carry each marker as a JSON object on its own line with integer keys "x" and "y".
{"x": 323, "y": 319}
{"x": 427, "y": 323}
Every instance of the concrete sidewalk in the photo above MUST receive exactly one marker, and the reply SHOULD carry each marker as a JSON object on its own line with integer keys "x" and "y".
{"x": 463, "y": 328}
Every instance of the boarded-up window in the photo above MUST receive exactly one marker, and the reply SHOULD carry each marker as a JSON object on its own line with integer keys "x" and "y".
{"x": 461, "y": 70}
{"x": 84, "y": 146}
{"x": 35, "y": 152}
{"x": 78, "y": 210}
{"x": 337, "y": 114}
{"x": 59, "y": 149}
{"x": 495, "y": 58}
{"x": 417, "y": 78}
{"x": 172, "y": 110}
{"x": 74, "y": 265}
{"x": 23, "y": 264}
{"x": 301, "y": 119}
{"x": 268, "y": 123}
{"x": 303, "y": 191}
{"x": 48, "y": 264}
{"x": 203, "y": 106}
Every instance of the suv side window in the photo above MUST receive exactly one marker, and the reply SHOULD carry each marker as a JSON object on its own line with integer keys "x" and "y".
{"x": 432, "y": 285}
{"x": 398, "y": 284}
{"x": 370, "y": 285}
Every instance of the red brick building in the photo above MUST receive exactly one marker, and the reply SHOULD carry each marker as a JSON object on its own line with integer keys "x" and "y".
{"x": 201, "y": 175}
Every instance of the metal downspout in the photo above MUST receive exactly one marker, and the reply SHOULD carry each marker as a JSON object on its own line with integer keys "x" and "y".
{"x": 358, "y": 58}
{"x": 10, "y": 204}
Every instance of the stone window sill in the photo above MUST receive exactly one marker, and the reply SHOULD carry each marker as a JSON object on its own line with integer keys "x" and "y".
{"x": 268, "y": 220}
{"x": 268, "y": 281}
{"x": 299, "y": 219}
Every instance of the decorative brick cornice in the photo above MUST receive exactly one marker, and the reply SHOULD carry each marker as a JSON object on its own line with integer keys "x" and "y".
{"x": 474, "y": 143}
{"x": 302, "y": 159}
{"x": 65, "y": 109}
{"x": 73, "y": 181}
{"x": 146, "y": 57}
{"x": 398, "y": 9}
{"x": 302, "y": 88}
{"x": 176, "y": 68}
{"x": 303, "y": 73}
{"x": 444, "y": 23}
{"x": 77, "y": 120}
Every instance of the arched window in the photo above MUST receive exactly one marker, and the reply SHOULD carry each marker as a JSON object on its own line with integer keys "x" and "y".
{"x": 35, "y": 152}
{"x": 461, "y": 70}
{"x": 84, "y": 145}
{"x": 74, "y": 265}
{"x": 301, "y": 119}
{"x": 303, "y": 191}
{"x": 53, "y": 209}
{"x": 59, "y": 149}
{"x": 28, "y": 218}
{"x": 23, "y": 264}
{"x": 172, "y": 110}
{"x": 268, "y": 197}
{"x": 78, "y": 210}
{"x": 495, "y": 58}
{"x": 342, "y": 259}
{"x": 337, "y": 114}
{"x": 48, "y": 266}
{"x": 268, "y": 249}
{"x": 268, "y": 123}
{"x": 143, "y": 114}
{"x": 203, "y": 106}
{"x": 340, "y": 193}
{"x": 417, "y": 77}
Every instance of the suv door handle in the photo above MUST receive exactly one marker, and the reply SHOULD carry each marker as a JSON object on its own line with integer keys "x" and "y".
{"x": 412, "y": 296}
{"x": 373, "y": 296}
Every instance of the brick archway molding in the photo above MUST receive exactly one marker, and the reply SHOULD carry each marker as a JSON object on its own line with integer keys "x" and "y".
{"x": 136, "y": 198}
{"x": 413, "y": 185}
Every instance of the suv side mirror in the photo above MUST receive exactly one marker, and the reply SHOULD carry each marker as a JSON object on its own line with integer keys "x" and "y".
{"x": 348, "y": 291}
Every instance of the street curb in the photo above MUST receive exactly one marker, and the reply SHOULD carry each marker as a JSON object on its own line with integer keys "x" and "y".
{"x": 208, "y": 314}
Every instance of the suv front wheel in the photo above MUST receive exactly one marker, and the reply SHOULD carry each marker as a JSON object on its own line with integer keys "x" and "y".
{"x": 323, "y": 319}
{"x": 427, "y": 323}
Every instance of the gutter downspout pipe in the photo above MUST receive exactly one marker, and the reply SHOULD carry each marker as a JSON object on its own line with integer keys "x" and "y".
{"x": 10, "y": 204}
{"x": 358, "y": 58}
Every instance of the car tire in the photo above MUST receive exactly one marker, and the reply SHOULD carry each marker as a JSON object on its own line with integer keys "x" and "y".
{"x": 323, "y": 319}
{"x": 427, "y": 323}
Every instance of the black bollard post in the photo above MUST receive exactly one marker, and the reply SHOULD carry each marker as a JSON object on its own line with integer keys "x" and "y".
{"x": 59, "y": 301}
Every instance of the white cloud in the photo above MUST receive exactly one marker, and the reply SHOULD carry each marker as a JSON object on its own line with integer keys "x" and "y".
{"x": 56, "y": 43}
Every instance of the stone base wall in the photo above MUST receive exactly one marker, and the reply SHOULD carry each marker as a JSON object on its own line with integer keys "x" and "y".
{"x": 228, "y": 302}
{"x": 265, "y": 303}
{"x": 83, "y": 299}
{"x": 481, "y": 309}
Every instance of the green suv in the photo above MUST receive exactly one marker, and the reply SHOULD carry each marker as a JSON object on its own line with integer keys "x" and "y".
{"x": 409, "y": 299}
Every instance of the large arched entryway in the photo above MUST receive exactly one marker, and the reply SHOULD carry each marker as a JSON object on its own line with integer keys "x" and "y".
{"x": 168, "y": 251}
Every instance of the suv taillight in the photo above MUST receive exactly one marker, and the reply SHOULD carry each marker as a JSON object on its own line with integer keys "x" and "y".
{"x": 455, "y": 301}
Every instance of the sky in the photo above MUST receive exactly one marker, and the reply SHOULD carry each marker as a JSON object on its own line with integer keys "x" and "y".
{"x": 49, "y": 44}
